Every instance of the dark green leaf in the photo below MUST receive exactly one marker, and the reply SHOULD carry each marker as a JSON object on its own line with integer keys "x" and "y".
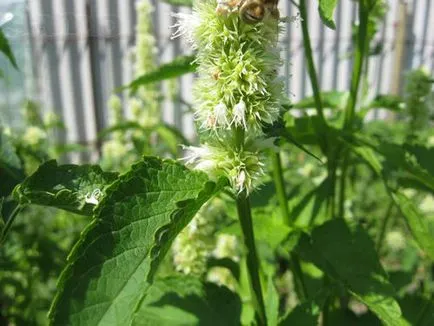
{"x": 391, "y": 102}
{"x": 178, "y": 67}
{"x": 347, "y": 254}
{"x": 6, "y": 49}
{"x": 326, "y": 11}
{"x": 417, "y": 224}
{"x": 306, "y": 313}
{"x": 184, "y": 300}
{"x": 187, "y": 3}
{"x": 417, "y": 310}
{"x": 67, "y": 187}
{"x": 112, "y": 265}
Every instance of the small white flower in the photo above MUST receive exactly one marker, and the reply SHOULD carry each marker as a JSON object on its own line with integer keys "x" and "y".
{"x": 239, "y": 112}
{"x": 194, "y": 154}
{"x": 94, "y": 197}
{"x": 185, "y": 26}
{"x": 220, "y": 113}
{"x": 241, "y": 181}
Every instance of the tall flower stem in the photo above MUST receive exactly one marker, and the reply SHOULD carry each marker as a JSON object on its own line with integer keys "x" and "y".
{"x": 310, "y": 63}
{"x": 253, "y": 267}
{"x": 283, "y": 203}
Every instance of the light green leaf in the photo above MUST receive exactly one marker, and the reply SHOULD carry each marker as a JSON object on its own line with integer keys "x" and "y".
{"x": 178, "y": 67}
{"x": 416, "y": 223}
{"x": 70, "y": 187}
{"x": 187, "y": 3}
{"x": 112, "y": 265}
{"x": 326, "y": 10}
{"x": 6, "y": 49}
{"x": 347, "y": 254}
{"x": 272, "y": 303}
{"x": 184, "y": 300}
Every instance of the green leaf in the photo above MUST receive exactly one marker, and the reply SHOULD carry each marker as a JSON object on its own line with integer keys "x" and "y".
{"x": 417, "y": 310}
{"x": 178, "y": 67}
{"x": 67, "y": 187}
{"x": 187, "y": 3}
{"x": 184, "y": 300}
{"x": 326, "y": 10}
{"x": 112, "y": 265}
{"x": 272, "y": 303}
{"x": 306, "y": 313}
{"x": 417, "y": 224}
{"x": 11, "y": 169}
{"x": 332, "y": 99}
{"x": 347, "y": 254}
{"x": 310, "y": 208}
{"x": 6, "y": 49}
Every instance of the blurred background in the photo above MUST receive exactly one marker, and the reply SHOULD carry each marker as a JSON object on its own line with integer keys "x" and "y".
{"x": 72, "y": 55}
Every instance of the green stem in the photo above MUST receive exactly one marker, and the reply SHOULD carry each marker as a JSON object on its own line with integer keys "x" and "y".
{"x": 283, "y": 204}
{"x": 359, "y": 55}
{"x": 383, "y": 228}
{"x": 280, "y": 189}
{"x": 9, "y": 223}
{"x": 310, "y": 63}
{"x": 245, "y": 216}
{"x": 342, "y": 186}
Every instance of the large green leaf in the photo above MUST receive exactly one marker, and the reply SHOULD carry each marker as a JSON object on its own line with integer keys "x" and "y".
{"x": 183, "y": 300}
{"x": 70, "y": 187}
{"x": 11, "y": 169}
{"x": 326, "y": 10}
{"x": 178, "y": 67}
{"x": 114, "y": 261}
{"x": 347, "y": 254}
{"x": 417, "y": 224}
{"x": 6, "y": 49}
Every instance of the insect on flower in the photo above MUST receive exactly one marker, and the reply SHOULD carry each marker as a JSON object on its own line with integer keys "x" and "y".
{"x": 251, "y": 11}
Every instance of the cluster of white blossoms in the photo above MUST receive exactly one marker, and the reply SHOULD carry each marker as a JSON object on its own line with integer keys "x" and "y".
{"x": 237, "y": 91}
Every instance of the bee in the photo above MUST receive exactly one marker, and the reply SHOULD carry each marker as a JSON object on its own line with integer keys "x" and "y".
{"x": 251, "y": 11}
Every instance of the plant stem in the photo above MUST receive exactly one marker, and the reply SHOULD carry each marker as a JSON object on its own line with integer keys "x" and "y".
{"x": 280, "y": 189}
{"x": 362, "y": 47}
{"x": 283, "y": 203}
{"x": 310, "y": 63}
{"x": 358, "y": 64}
{"x": 383, "y": 228}
{"x": 245, "y": 216}
{"x": 342, "y": 186}
{"x": 9, "y": 223}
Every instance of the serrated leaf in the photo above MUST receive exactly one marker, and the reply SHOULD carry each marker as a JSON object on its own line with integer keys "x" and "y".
{"x": 66, "y": 187}
{"x": 347, "y": 254}
{"x": 184, "y": 300}
{"x": 416, "y": 223}
{"x": 11, "y": 169}
{"x": 187, "y": 3}
{"x": 178, "y": 67}
{"x": 112, "y": 265}
{"x": 5, "y": 48}
{"x": 326, "y": 10}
